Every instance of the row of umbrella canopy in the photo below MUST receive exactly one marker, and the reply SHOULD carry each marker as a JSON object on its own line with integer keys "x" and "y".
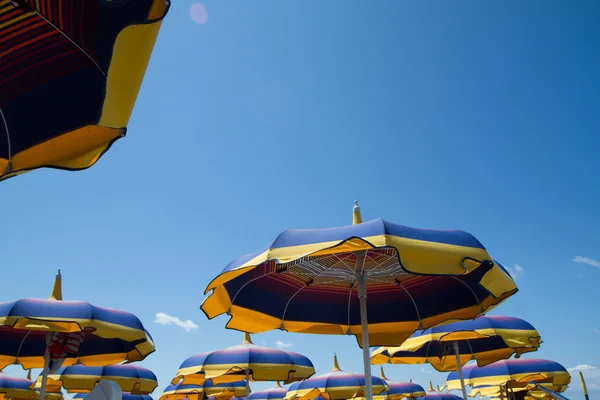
{"x": 306, "y": 281}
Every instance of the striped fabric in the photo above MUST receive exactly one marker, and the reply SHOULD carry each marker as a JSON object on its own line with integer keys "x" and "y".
{"x": 306, "y": 281}
{"x": 486, "y": 340}
{"x": 60, "y": 60}
{"x": 124, "y": 396}
{"x": 276, "y": 393}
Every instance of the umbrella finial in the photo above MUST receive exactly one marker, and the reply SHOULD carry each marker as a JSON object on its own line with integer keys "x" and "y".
{"x": 247, "y": 338}
{"x": 431, "y": 387}
{"x": 356, "y": 218}
{"x": 336, "y": 366}
{"x": 382, "y": 375}
{"x": 410, "y": 380}
{"x": 57, "y": 289}
{"x": 277, "y": 384}
{"x": 29, "y": 374}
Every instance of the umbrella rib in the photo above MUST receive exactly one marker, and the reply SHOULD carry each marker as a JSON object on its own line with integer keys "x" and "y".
{"x": 411, "y": 298}
{"x": 70, "y": 40}
{"x": 7, "y": 138}
{"x": 472, "y": 292}
{"x": 294, "y": 295}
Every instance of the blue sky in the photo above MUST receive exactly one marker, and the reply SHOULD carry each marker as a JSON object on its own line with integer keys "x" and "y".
{"x": 480, "y": 116}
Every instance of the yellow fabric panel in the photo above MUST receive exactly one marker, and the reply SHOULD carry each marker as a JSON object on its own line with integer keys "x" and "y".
{"x": 77, "y": 149}
{"x": 131, "y": 55}
{"x": 86, "y": 383}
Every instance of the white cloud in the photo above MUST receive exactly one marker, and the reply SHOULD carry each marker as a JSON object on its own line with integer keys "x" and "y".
{"x": 582, "y": 367}
{"x": 516, "y": 271}
{"x": 282, "y": 345}
{"x": 586, "y": 260}
{"x": 425, "y": 371}
{"x": 166, "y": 319}
{"x": 263, "y": 343}
{"x": 596, "y": 330}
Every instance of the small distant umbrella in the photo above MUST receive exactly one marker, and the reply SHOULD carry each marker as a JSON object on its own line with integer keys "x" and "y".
{"x": 400, "y": 390}
{"x": 512, "y": 373}
{"x": 431, "y": 394}
{"x": 83, "y": 379}
{"x": 275, "y": 393}
{"x": 37, "y": 333}
{"x": 248, "y": 360}
{"x": 334, "y": 385}
{"x": 448, "y": 347}
{"x": 219, "y": 391}
{"x": 530, "y": 390}
{"x": 124, "y": 396}
{"x": 318, "y": 281}
{"x": 13, "y": 388}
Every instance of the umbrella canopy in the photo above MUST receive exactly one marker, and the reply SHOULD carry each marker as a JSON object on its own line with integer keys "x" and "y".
{"x": 307, "y": 281}
{"x": 275, "y": 393}
{"x": 109, "y": 336}
{"x": 83, "y": 379}
{"x": 232, "y": 364}
{"x": 400, "y": 390}
{"x": 13, "y": 388}
{"x": 431, "y": 395}
{"x": 124, "y": 396}
{"x": 71, "y": 73}
{"x": 485, "y": 339}
{"x": 336, "y": 384}
{"x": 512, "y": 373}
{"x": 224, "y": 390}
{"x": 318, "y": 280}
{"x": 497, "y": 391}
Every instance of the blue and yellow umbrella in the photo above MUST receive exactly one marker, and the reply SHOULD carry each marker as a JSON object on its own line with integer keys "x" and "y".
{"x": 82, "y": 379}
{"x": 401, "y": 390}
{"x": 71, "y": 72}
{"x": 13, "y": 388}
{"x": 248, "y": 360}
{"x": 124, "y": 396}
{"x": 335, "y": 385}
{"x": 449, "y": 347}
{"x": 276, "y": 393}
{"x": 512, "y": 373}
{"x": 531, "y": 390}
{"x": 317, "y": 281}
{"x": 37, "y": 333}
{"x": 219, "y": 391}
{"x": 433, "y": 395}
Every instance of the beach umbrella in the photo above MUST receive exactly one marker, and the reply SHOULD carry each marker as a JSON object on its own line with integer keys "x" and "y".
{"x": 13, "y": 388}
{"x": 218, "y": 391}
{"x": 530, "y": 390}
{"x": 48, "y": 334}
{"x": 70, "y": 75}
{"x": 335, "y": 385}
{"x": 401, "y": 390}
{"x": 275, "y": 393}
{"x": 245, "y": 361}
{"x": 511, "y": 373}
{"x": 124, "y": 396}
{"x": 448, "y": 347}
{"x": 433, "y": 395}
{"x": 83, "y": 379}
{"x": 317, "y": 281}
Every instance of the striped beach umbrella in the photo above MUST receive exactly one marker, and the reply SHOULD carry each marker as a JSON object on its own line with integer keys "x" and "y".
{"x": 83, "y": 379}
{"x": 318, "y": 281}
{"x": 218, "y": 391}
{"x": 13, "y": 388}
{"x": 48, "y": 334}
{"x": 275, "y": 393}
{"x": 124, "y": 396}
{"x": 449, "y": 347}
{"x": 245, "y": 361}
{"x": 335, "y": 385}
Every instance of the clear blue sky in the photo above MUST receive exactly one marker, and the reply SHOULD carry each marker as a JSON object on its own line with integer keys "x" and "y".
{"x": 482, "y": 116}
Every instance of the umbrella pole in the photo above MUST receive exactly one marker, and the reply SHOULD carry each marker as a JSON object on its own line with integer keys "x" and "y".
{"x": 45, "y": 372}
{"x": 460, "y": 370}
{"x": 364, "y": 327}
{"x": 585, "y": 392}
{"x": 248, "y": 384}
